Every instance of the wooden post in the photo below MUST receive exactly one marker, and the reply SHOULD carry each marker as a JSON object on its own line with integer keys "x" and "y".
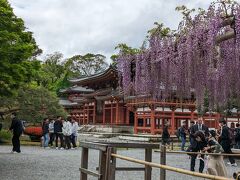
{"x": 110, "y": 164}
{"x": 84, "y": 163}
{"x": 163, "y": 162}
{"x": 148, "y": 169}
{"x": 102, "y": 164}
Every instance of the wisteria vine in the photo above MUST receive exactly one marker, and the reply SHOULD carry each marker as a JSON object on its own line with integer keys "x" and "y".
{"x": 189, "y": 61}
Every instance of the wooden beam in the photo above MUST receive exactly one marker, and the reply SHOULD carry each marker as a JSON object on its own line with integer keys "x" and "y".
{"x": 86, "y": 171}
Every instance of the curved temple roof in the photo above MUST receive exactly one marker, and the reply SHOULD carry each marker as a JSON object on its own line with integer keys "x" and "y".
{"x": 103, "y": 76}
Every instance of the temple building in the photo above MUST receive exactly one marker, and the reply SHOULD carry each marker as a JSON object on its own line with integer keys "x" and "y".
{"x": 99, "y": 100}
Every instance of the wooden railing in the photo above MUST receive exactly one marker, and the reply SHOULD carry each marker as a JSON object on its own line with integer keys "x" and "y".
{"x": 108, "y": 155}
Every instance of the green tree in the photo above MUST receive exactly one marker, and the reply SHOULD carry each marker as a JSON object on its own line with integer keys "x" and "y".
{"x": 87, "y": 64}
{"x": 17, "y": 46}
{"x": 33, "y": 104}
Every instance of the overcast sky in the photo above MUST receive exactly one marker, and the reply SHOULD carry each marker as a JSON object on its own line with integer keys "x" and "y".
{"x": 96, "y": 26}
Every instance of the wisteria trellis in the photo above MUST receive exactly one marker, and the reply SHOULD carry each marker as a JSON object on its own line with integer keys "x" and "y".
{"x": 194, "y": 60}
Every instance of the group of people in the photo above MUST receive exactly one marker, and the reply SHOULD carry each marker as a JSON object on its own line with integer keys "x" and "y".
{"x": 59, "y": 129}
{"x": 202, "y": 140}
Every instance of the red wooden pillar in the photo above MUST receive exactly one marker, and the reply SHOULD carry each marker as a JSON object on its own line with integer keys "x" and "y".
{"x": 117, "y": 119}
{"x": 218, "y": 116}
{"x": 172, "y": 121}
{"x": 152, "y": 120}
{"x": 135, "y": 122}
{"x": 104, "y": 120}
{"x": 111, "y": 113}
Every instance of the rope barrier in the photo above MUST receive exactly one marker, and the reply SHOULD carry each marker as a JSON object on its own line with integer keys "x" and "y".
{"x": 178, "y": 170}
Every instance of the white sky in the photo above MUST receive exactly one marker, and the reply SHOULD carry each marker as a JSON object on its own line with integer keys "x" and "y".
{"x": 96, "y": 26}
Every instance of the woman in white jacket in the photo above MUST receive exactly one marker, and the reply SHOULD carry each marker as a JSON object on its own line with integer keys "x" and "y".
{"x": 67, "y": 131}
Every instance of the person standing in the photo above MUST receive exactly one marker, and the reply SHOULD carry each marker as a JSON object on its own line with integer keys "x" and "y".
{"x": 74, "y": 128}
{"x": 183, "y": 135}
{"x": 190, "y": 131}
{"x": 166, "y": 135}
{"x": 58, "y": 132}
{"x": 225, "y": 141}
{"x": 51, "y": 132}
{"x": 45, "y": 129}
{"x": 200, "y": 127}
{"x": 237, "y": 136}
{"x": 17, "y": 129}
{"x": 66, "y": 129}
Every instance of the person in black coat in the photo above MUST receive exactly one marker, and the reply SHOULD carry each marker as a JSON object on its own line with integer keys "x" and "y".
{"x": 58, "y": 131}
{"x": 200, "y": 127}
{"x": 190, "y": 131}
{"x": 198, "y": 144}
{"x": 166, "y": 135}
{"x": 17, "y": 129}
{"x": 225, "y": 142}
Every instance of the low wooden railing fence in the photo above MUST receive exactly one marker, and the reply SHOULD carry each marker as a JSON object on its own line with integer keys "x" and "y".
{"x": 106, "y": 169}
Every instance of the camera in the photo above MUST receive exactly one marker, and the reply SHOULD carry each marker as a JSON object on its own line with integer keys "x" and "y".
{"x": 236, "y": 175}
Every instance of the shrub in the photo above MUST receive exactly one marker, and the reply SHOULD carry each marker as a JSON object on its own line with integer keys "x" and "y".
{"x": 5, "y": 135}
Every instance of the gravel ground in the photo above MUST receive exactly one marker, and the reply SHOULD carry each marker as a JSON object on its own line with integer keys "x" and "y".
{"x": 36, "y": 163}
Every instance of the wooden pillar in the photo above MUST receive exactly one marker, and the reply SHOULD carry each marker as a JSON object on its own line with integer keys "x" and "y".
{"x": 135, "y": 122}
{"x": 173, "y": 121}
{"x": 111, "y": 113}
{"x": 152, "y": 120}
{"x": 104, "y": 120}
{"x": 94, "y": 113}
{"x": 117, "y": 119}
{"x": 192, "y": 115}
{"x": 217, "y": 120}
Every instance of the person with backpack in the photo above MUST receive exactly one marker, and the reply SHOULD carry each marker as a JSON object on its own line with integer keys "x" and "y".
{"x": 17, "y": 129}
{"x": 225, "y": 141}
{"x": 237, "y": 136}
